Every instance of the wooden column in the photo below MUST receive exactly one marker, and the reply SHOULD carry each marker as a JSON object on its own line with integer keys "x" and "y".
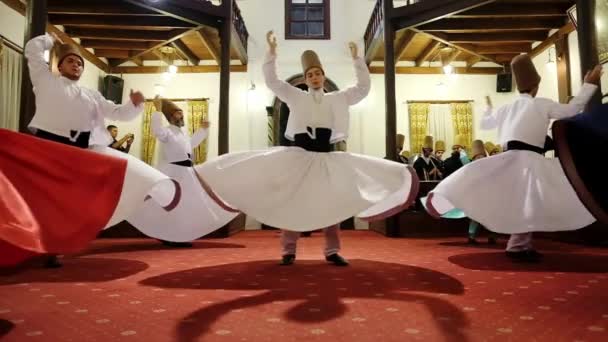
{"x": 389, "y": 82}
{"x": 562, "y": 54}
{"x": 224, "y": 110}
{"x": 35, "y": 25}
{"x": 587, "y": 41}
{"x": 392, "y": 223}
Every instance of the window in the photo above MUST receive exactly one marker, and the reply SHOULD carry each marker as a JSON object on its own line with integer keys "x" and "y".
{"x": 307, "y": 19}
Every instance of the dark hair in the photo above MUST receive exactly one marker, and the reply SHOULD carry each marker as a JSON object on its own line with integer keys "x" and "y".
{"x": 110, "y": 127}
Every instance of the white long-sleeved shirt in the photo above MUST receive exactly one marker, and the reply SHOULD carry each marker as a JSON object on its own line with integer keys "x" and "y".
{"x": 62, "y": 105}
{"x": 176, "y": 144}
{"x": 306, "y": 112}
{"x": 527, "y": 119}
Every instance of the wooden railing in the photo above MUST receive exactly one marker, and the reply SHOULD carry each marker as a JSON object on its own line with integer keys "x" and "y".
{"x": 239, "y": 24}
{"x": 375, "y": 23}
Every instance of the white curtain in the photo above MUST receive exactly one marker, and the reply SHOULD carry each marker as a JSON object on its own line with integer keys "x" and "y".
{"x": 10, "y": 87}
{"x": 439, "y": 123}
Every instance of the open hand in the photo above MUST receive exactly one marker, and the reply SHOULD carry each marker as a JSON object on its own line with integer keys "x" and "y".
{"x": 488, "y": 101}
{"x": 594, "y": 76}
{"x": 56, "y": 38}
{"x": 272, "y": 42}
{"x": 158, "y": 103}
{"x": 205, "y": 124}
{"x": 136, "y": 97}
{"x": 353, "y": 49}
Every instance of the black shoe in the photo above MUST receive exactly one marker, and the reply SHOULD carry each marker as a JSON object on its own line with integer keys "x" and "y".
{"x": 288, "y": 259}
{"x": 306, "y": 234}
{"x": 491, "y": 240}
{"x": 529, "y": 255}
{"x": 176, "y": 244}
{"x": 336, "y": 259}
{"x": 52, "y": 262}
{"x": 472, "y": 241}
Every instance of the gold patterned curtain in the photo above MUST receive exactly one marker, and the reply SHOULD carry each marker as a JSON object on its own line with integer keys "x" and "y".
{"x": 148, "y": 145}
{"x": 198, "y": 110}
{"x": 419, "y": 113}
{"x": 462, "y": 119}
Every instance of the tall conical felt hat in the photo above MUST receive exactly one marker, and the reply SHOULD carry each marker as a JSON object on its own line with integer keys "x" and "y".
{"x": 169, "y": 108}
{"x": 526, "y": 76}
{"x": 574, "y": 138}
{"x": 440, "y": 145}
{"x": 490, "y": 147}
{"x": 460, "y": 140}
{"x": 64, "y": 50}
{"x": 400, "y": 140}
{"x": 310, "y": 59}
{"x": 428, "y": 142}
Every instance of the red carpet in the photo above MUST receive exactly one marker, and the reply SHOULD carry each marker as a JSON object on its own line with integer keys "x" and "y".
{"x": 233, "y": 290}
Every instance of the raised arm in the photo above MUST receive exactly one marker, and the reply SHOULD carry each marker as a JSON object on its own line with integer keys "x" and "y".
{"x": 34, "y": 52}
{"x": 161, "y": 132}
{"x": 489, "y": 119}
{"x": 577, "y": 104}
{"x": 283, "y": 90}
{"x": 125, "y": 112}
{"x": 360, "y": 90}
{"x": 200, "y": 135}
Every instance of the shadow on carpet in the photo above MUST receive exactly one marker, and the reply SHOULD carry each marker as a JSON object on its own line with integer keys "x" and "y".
{"x": 551, "y": 262}
{"x": 363, "y": 279}
{"x": 5, "y": 327}
{"x": 151, "y": 245}
{"x": 76, "y": 270}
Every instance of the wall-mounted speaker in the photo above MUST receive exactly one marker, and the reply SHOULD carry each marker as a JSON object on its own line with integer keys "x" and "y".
{"x": 112, "y": 88}
{"x": 504, "y": 83}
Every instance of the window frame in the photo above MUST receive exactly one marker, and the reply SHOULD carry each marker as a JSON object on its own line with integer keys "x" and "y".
{"x": 326, "y": 21}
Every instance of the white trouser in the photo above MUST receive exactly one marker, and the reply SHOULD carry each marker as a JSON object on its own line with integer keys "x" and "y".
{"x": 519, "y": 242}
{"x": 289, "y": 240}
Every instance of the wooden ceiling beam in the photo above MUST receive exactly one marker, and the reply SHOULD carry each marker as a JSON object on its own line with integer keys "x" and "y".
{"x": 88, "y": 55}
{"x": 568, "y": 28}
{"x": 206, "y": 40}
{"x": 184, "y": 50}
{"x": 506, "y": 10}
{"x": 472, "y": 61}
{"x": 505, "y": 58}
{"x": 174, "y": 35}
{"x": 437, "y": 70}
{"x": 503, "y": 37}
{"x": 438, "y": 36}
{"x": 112, "y": 53}
{"x": 492, "y": 25}
{"x": 112, "y": 44}
{"x": 86, "y": 8}
{"x": 502, "y": 49}
{"x": 205, "y": 14}
{"x": 404, "y": 43}
{"x": 428, "y": 51}
{"x": 139, "y": 23}
{"x": 123, "y": 35}
{"x": 427, "y": 11}
{"x": 180, "y": 69}
{"x": 452, "y": 56}
{"x": 138, "y": 61}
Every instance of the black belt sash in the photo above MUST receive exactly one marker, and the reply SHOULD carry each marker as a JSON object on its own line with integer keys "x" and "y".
{"x": 319, "y": 144}
{"x": 78, "y": 139}
{"x": 522, "y": 146}
{"x": 186, "y": 163}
